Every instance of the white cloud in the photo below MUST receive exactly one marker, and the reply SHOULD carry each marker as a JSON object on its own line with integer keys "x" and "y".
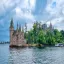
{"x": 29, "y": 26}
{"x": 25, "y": 8}
{"x": 27, "y": 4}
{"x": 56, "y": 20}
{"x": 23, "y": 4}
{"x": 32, "y": 3}
{"x": 55, "y": 8}
{"x": 5, "y": 5}
{"x": 23, "y": 14}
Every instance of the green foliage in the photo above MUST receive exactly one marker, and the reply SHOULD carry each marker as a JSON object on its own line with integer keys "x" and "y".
{"x": 42, "y": 37}
{"x": 46, "y": 37}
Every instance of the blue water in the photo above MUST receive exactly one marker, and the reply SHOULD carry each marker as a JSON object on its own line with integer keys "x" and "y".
{"x": 48, "y": 55}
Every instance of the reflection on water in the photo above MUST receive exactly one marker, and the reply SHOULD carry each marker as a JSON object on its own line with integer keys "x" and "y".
{"x": 48, "y": 55}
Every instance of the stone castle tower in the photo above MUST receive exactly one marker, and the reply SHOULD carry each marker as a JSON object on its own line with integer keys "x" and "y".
{"x": 16, "y": 36}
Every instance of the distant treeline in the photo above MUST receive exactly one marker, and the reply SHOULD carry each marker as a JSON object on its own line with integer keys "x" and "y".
{"x": 4, "y": 42}
{"x": 37, "y": 35}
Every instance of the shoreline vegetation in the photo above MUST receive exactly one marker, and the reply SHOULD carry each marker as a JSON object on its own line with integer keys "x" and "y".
{"x": 4, "y": 42}
{"x": 41, "y": 36}
{"x": 29, "y": 45}
{"x": 34, "y": 45}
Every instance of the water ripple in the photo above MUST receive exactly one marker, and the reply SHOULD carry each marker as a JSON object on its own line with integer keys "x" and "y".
{"x": 48, "y": 55}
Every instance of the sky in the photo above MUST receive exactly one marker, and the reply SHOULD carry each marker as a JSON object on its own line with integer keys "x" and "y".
{"x": 29, "y": 11}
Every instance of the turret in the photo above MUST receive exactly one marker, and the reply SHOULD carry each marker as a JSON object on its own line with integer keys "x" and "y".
{"x": 50, "y": 26}
{"x": 19, "y": 28}
{"x": 25, "y": 27}
{"x": 22, "y": 29}
{"x": 25, "y": 30}
{"x": 11, "y": 25}
{"x": 11, "y": 31}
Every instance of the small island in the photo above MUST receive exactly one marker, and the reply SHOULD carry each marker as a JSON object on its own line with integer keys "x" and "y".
{"x": 40, "y": 35}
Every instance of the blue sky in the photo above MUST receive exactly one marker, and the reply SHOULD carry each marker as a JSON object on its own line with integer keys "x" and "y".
{"x": 29, "y": 11}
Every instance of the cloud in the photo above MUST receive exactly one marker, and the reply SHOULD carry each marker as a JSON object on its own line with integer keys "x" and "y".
{"x": 26, "y": 14}
{"x": 55, "y": 8}
{"x": 24, "y": 10}
{"x": 19, "y": 10}
{"x": 29, "y": 26}
{"x": 5, "y": 5}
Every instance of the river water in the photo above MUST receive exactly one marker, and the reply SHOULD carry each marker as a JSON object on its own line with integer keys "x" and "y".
{"x": 48, "y": 55}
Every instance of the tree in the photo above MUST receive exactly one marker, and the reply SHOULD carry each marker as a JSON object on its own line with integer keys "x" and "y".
{"x": 57, "y": 36}
{"x": 62, "y": 35}
{"x": 39, "y": 36}
{"x": 50, "y": 40}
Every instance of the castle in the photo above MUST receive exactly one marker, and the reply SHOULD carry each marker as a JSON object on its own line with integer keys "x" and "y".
{"x": 16, "y": 36}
